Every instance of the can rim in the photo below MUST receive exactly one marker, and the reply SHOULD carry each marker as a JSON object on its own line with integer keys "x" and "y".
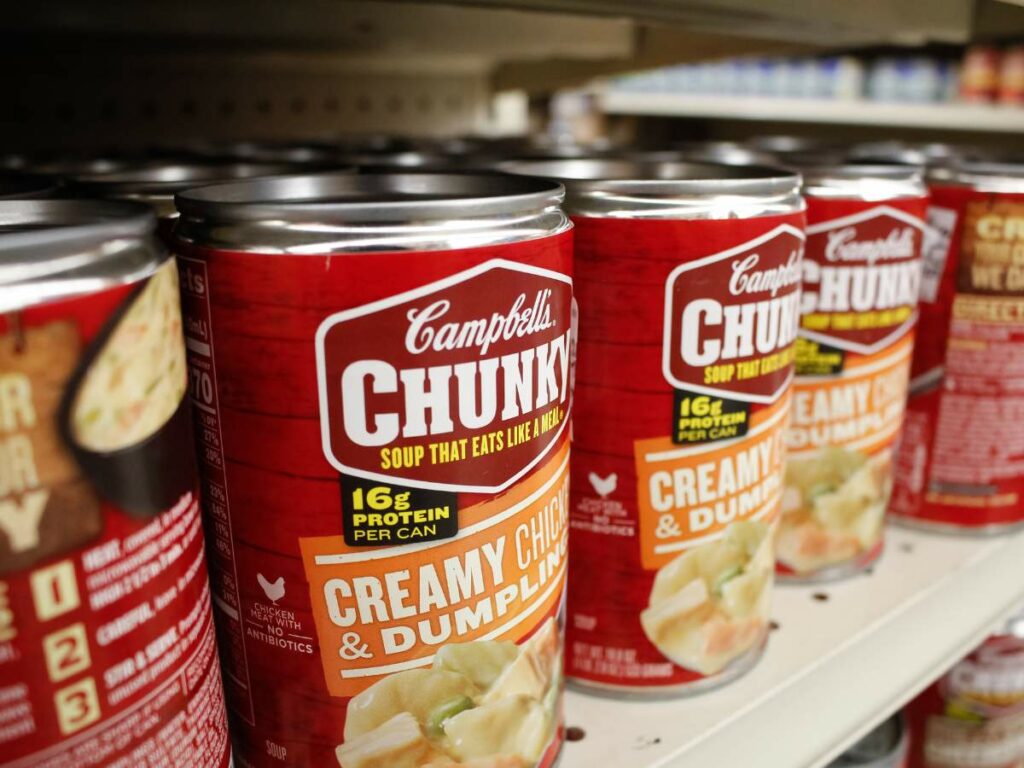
{"x": 1004, "y": 176}
{"x": 18, "y": 184}
{"x": 174, "y": 176}
{"x": 296, "y": 153}
{"x": 722, "y": 153}
{"x": 60, "y": 236}
{"x": 658, "y": 179}
{"x": 872, "y": 170}
{"x": 378, "y": 197}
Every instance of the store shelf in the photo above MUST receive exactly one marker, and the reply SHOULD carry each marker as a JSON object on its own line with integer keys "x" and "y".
{"x": 844, "y": 656}
{"x": 952, "y": 117}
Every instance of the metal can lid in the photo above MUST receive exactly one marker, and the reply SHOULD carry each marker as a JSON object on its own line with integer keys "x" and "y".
{"x": 783, "y": 144}
{"x": 54, "y": 248}
{"x": 658, "y": 178}
{"x": 166, "y": 178}
{"x": 600, "y": 185}
{"x": 378, "y": 197}
{"x": 822, "y": 172}
{"x": 74, "y": 165}
{"x": 16, "y": 185}
{"x": 728, "y": 152}
{"x": 295, "y": 153}
{"x": 410, "y": 158}
{"x": 914, "y": 153}
{"x": 1007, "y": 177}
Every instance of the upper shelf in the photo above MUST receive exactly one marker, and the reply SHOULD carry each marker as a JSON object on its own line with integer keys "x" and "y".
{"x": 962, "y": 117}
{"x": 844, "y": 656}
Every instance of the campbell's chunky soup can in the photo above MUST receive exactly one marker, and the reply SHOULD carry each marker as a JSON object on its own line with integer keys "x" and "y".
{"x": 382, "y": 385}
{"x": 107, "y": 648}
{"x": 688, "y": 279}
{"x": 861, "y": 276}
{"x": 960, "y": 465}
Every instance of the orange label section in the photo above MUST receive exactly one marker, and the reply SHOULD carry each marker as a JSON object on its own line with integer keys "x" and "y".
{"x": 689, "y": 495}
{"x": 860, "y": 408}
{"x": 384, "y": 610}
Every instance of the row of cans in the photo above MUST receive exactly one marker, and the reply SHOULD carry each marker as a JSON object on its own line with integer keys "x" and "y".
{"x": 383, "y": 373}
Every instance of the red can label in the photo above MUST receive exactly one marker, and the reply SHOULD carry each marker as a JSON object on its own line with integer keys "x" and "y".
{"x": 107, "y": 651}
{"x": 734, "y": 344}
{"x": 961, "y": 459}
{"x": 384, "y": 443}
{"x": 860, "y": 288}
{"x": 687, "y": 332}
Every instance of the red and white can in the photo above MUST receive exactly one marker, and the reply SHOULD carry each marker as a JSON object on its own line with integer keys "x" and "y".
{"x": 107, "y": 648}
{"x": 861, "y": 270}
{"x": 382, "y": 376}
{"x": 961, "y": 459}
{"x": 687, "y": 277}
{"x": 973, "y": 716}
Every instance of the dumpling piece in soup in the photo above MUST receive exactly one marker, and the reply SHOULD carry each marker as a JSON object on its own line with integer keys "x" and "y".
{"x": 709, "y": 606}
{"x": 137, "y": 381}
{"x": 483, "y": 704}
{"x": 834, "y": 507}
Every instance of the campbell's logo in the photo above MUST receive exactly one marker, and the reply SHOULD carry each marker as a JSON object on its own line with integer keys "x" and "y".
{"x": 463, "y": 384}
{"x": 429, "y": 330}
{"x": 862, "y": 278}
{"x": 731, "y": 319}
{"x": 847, "y": 244}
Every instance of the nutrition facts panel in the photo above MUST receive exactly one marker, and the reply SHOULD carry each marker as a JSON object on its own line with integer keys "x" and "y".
{"x": 224, "y": 580}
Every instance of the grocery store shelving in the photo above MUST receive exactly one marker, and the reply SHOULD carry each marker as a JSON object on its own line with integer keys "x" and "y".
{"x": 952, "y": 117}
{"x": 844, "y": 656}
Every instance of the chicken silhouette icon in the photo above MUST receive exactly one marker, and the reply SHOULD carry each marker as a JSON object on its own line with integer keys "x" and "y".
{"x": 274, "y": 590}
{"x": 603, "y": 485}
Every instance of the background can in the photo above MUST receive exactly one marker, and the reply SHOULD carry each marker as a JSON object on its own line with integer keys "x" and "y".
{"x": 107, "y": 649}
{"x": 959, "y": 466}
{"x": 156, "y": 182}
{"x": 338, "y": 329}
{"x": 887, "y": 746}
{"x": 671, "y": 579}
{"x": 973, "y": 716}
{"x": 865, "y": 225}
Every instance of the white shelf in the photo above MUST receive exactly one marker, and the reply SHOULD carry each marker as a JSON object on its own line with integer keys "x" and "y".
{"x": 961, "y": 117}
{"x": 832, "y": 670}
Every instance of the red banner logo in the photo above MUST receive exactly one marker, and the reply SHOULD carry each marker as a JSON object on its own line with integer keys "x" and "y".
{"x": 731, "y": 319}
{"x": 861, "y": 280}
{"x": 463, "y": 384}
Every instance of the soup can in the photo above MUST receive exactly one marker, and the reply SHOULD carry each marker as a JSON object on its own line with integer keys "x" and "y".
{"x": 156, "y": 182}
{"x": 688, "y": 279}
{"x": 383, "y": 370}
{"x": 107, "y": 648}
{"x": 959, "y": 466}
{"x": 973, "y": 715}
{"x": 886, "y": 746}
{"x": 861, "y": 270}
